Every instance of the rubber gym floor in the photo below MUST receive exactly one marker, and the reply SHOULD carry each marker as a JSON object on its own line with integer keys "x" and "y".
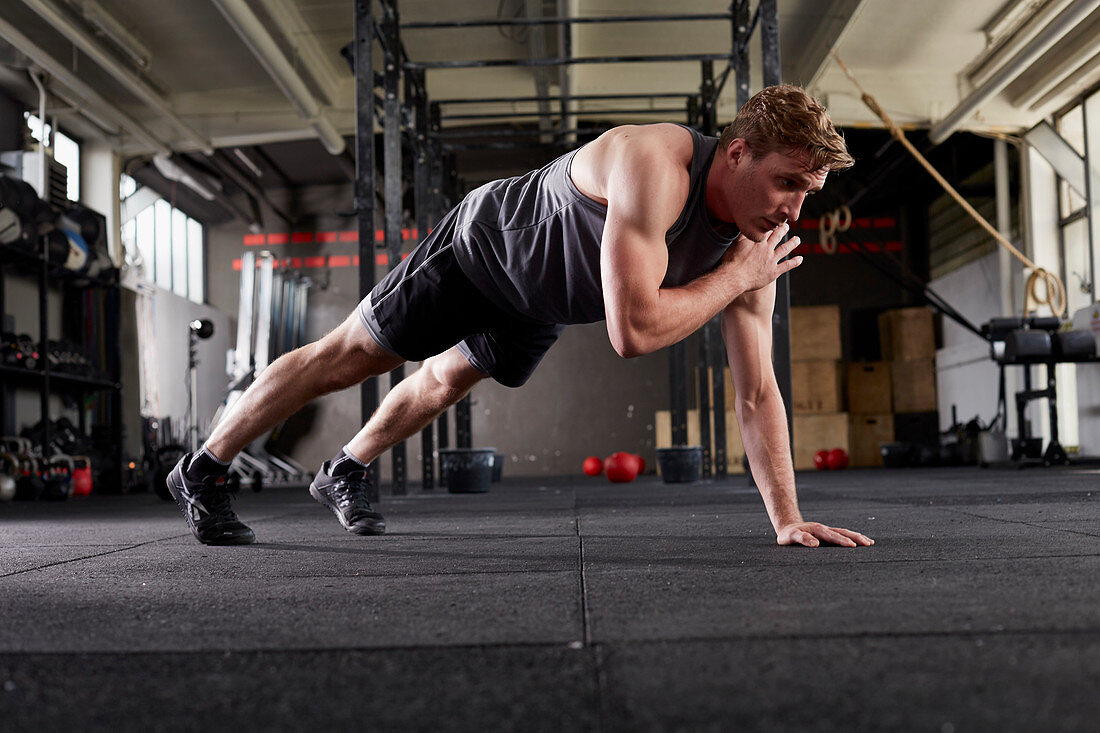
{"x": 567, "y": 604}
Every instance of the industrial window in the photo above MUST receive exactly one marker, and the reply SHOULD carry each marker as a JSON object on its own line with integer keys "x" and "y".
{"x": 1081, "y": 130}
{"x": 66, "y": 151}
{"x": 163, "y": 245}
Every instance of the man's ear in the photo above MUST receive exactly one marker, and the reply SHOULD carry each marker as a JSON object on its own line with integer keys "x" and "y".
{"x": 737, "y": 152}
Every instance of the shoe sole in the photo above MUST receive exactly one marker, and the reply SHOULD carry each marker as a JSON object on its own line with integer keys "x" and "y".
{"x": 182, "y": 504}
{"x": 377, "y": 529}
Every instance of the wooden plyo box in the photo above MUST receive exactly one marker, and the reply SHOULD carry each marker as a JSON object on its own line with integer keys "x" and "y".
{"x": 818, "y": 432}
{"x": 815, "y": 386}
{"x": 906, "y": 334}
{"x": 914, "y": 385}
{"x": 869, "y": 387}
{"x": 868, "y": 432}
{"x": 815, "y": 333}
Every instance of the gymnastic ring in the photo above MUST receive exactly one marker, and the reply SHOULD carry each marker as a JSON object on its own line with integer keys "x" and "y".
{"x": 845, "y": 223}
{"x": 827, "y": 230}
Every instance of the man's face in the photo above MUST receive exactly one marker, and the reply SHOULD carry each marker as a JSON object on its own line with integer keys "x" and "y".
{"x": 763, "y": 192}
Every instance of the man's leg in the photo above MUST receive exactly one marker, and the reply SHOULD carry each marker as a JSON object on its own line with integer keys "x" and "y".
{"x": 345, "y": 357}
{"x": 414, "y": 402}
{"x": 342, "y": 484}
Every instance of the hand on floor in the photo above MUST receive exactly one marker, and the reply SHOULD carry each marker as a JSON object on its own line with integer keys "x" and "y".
{"x": 812, "y": 534}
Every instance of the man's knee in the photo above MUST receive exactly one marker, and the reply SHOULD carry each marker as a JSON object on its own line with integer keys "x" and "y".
{"x": 348, "y": 355}
{"x": 452, "y": 371}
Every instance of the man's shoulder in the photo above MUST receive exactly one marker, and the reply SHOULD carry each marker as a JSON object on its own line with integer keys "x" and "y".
{"x": 662, "y": 139}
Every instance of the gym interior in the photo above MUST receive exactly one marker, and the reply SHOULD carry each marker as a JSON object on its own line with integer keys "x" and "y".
{"x": 191, "y": 189}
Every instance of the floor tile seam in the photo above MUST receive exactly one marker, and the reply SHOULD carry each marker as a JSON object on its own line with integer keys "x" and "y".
{"x": 370, "y": 576}
{"x": 895, "y": 502}
{"x": 83, "y": 558}
{"x": 856, "y": 635}
{"x": 563, "y": 645}
{"x": 598, "y": 675}
{"x": 895, "y": 561}
{"x": 1024, "y": 523}
{"x": 391, "y": 540}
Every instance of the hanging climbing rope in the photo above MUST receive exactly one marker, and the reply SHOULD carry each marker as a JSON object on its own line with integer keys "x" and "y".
{"x": 1054, "y": 294}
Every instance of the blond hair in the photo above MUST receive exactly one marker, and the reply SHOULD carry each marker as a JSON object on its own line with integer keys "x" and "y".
{"x": 785, "y": 118}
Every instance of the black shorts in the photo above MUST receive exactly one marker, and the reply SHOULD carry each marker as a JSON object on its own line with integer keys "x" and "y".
{"x": 426, "y": 305}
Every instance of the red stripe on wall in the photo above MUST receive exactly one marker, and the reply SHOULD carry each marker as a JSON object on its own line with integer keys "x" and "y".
{"x": 282, "y": 238}
{"x": 885, "y": 222}
{"x": 237, "y": 264}
{"x": 254, "y": 240}
{"x": 295, "y": 261}
{"x": 315, "y": 261}
{"x": 893, "y": 247}
{"x": 324, "y": 237}
{"x": 349, "y": 236}
{"x": 339, "y": 261}
{"x": 301, "y": 237}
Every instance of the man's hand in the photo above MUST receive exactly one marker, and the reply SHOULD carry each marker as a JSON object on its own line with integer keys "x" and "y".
{"x": 758, "y": 263}
{"x": 812, "y": 534}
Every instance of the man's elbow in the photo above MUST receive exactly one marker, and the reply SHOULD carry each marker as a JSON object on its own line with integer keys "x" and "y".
{"x": 630, "y": 343}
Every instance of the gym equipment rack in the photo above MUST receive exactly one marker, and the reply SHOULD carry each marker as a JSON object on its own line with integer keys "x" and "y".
{"x": 44, "y": 379}
{"x": 414, "y": 124}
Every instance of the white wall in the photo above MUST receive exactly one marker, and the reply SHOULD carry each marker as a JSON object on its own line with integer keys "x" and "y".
{"x": 965, "y": 375}
{"x": 163, "y": 319}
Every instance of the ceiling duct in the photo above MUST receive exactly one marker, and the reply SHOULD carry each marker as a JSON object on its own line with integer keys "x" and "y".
{"x": 60, "y": 73}
{"x": 82, "y": 39}
{"x": 1036, "y": 47}
{"x": 267, "y": 51}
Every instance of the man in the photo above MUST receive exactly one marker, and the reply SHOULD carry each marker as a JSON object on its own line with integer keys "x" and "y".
{"x": 653, "y": 228}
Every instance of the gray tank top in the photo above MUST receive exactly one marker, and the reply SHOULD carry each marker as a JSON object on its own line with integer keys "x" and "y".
{"x": 532, "y": 243}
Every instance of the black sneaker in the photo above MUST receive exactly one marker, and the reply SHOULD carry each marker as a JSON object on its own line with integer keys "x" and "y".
{"x": 205, "y": 505}
{"x": 346, "y": 496}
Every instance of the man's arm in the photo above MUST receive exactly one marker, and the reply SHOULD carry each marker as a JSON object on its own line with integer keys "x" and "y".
{"x": 747, "y": 330}
{"x": 645, "y": 183}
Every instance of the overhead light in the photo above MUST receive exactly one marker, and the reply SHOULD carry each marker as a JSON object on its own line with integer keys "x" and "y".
{"x": 174, "y": 172}
{"x": 248, "y": 162}
{"x": 109, "y": 26}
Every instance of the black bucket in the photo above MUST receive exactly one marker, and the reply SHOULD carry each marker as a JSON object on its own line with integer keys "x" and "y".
{"x": 467, "y": 470}
{"x": 680, "y": 465}
{"x": 498, "y": 467}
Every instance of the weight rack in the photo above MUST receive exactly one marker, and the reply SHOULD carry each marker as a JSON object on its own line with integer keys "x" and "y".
{"x": 413, "y": 126}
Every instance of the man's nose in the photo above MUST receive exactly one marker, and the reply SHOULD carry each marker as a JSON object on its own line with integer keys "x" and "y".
{"x": 792, "y": 208}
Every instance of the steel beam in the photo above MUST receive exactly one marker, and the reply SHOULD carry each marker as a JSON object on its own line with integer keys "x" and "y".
{"x": 575, "y": 113}
{"x": 489, "y": 23}
{"x": 677, "y": 385}
{"x": 460, "y": 135}
{"x": 416, "y": 98}
{"x": 712, "y": 375}
{"x": 567, "y": 98}
{"x": 741, "y": 33}
{"x": 391, "y": 170}
{"x": 365, "y": 190}
{"x": 566, "y": 61}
